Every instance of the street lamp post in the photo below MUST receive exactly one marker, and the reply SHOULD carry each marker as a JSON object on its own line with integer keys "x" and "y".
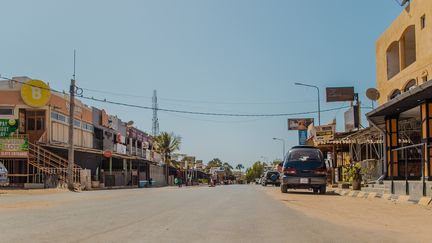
{"x": 319, "y": 105}
{"x": 283, "y": 142}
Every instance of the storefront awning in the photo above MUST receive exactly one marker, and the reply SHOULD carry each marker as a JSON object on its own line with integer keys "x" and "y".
{"x": 401, "y": 103}
{"x": 91, "y": 151}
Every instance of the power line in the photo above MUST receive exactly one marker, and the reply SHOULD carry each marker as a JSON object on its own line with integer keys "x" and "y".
{"x": 193, "y": 101}
{"x": 219, "y": 121}
{"x": 205, "y": 113}
{"x": 80, "y": 95}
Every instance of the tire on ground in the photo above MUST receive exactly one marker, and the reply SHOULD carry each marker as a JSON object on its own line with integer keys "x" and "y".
{"x": 323, "y": 189}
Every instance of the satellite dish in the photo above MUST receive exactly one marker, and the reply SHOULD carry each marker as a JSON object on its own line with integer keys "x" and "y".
{"x": 130, "y": 123}
{"x": 372, "y": 94}
{"x": 404, "y": 2}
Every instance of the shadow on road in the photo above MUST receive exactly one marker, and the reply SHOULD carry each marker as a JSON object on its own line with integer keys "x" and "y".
{"x": 311, "y": 193}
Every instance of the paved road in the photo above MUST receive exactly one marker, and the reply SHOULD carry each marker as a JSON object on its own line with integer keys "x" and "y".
{"x": 240, "y": 213}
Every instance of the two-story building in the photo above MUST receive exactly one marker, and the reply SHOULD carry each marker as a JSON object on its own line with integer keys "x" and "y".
{"x": 404, "y": 115}
{"x": 34, "y": 138}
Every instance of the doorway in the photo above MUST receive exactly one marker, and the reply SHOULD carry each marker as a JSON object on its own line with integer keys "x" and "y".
{"x": 35, "y": 124}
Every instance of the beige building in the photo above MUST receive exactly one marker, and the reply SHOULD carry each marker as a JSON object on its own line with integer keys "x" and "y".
{"x": 404, "y": 70}
{"x": 404, "y": 51}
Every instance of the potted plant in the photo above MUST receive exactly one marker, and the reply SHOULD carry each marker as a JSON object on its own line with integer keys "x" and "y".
{"x": 355, "y": 176}
{"x": 352, "y": 174}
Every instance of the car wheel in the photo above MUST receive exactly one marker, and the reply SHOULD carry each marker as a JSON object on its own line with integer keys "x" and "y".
{"x": 284, "y": 188}
{"x": 323, "y": 190}
{"x": 315, "y": 190}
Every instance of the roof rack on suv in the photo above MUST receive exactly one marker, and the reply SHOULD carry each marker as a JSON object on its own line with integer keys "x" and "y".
{"x": 304, "y": 146}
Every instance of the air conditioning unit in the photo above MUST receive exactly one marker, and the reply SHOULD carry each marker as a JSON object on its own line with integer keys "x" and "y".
{"x": 12, "y": 84}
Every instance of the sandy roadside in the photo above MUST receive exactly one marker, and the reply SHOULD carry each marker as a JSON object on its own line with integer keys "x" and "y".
{"x": 412, "y": 221}
{"x": 31, "y": 191}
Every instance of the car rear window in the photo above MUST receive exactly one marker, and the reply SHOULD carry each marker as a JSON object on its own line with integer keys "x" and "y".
{"x": 304, "y": 155}
{"x": 269, "y": 174}
{"x": 305, "y": 159}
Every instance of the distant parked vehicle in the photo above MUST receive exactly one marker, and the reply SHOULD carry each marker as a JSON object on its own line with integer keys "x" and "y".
{"x": 4, "y": 181}
{"x": 304, "y": 168}
{"x": 271, "y": 177}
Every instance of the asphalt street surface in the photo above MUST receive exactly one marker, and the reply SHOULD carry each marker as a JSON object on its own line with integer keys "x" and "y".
{"x": 234, "y": 213}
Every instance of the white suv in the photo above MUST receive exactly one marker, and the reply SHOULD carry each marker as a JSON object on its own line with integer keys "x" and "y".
{"x": 4, "y": 181}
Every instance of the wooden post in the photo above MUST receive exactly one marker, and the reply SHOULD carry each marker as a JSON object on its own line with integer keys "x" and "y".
{"x": 71, "y": 135}
{"x": 125, "y": 171}
{"x": 110, "y": 165}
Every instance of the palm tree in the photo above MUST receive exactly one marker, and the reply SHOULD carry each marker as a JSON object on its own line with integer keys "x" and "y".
{"x": 166, "y": 144}
{"x": 239, "y": 167}
{"x": 227, "y": 168}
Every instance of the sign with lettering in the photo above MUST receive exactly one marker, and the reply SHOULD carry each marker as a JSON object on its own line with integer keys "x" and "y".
{"x": 35, "y": 93}
{"x": 299, "y": 123}
{"x": 14, "y": 147}
{"x": 325, "y": 133}
{"x": 8, "y": 127}
{"x": 336, "y": 94}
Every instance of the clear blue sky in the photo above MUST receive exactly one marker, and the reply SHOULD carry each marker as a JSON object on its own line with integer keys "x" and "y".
{"x": 239, "y": 56}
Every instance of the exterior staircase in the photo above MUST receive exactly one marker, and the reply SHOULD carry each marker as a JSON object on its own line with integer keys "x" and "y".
{"x": 383, "y": 188}
{"x": 51, "y": 164}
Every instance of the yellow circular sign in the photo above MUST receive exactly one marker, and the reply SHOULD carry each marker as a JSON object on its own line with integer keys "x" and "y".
{"x": 35, "y": 93}
{"x": 12, "y": 122}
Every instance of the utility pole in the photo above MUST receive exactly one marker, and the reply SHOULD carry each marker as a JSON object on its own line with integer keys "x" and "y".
{"x": 71, "y": 131}
{"x": 71, "y": 134}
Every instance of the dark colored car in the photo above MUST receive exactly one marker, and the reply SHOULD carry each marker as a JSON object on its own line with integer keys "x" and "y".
{"x": 304, "y": 168}
{"x": 271, "y": 177}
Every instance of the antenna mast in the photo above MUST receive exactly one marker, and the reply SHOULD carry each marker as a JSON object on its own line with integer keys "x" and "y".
{"x": 155, "y": 128}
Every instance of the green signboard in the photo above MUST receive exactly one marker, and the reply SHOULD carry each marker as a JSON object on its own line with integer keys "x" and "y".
{"x": 8, "y": 127}
{"x": 14, "y": 147}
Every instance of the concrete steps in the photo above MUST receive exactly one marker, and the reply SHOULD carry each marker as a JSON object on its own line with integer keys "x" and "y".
{"x": 377, "y": 188}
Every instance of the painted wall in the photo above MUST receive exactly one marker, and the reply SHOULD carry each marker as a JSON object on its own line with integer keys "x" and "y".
{"x": 396, "y": 34}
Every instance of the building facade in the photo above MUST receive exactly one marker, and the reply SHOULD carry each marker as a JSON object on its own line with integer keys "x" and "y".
{"x": 404, "y": 51}
{"x": 34, "y": 139}
{"x": 404, "y": 68}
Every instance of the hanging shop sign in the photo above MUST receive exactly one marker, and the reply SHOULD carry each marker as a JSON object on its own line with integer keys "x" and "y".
{"x": 14, "y": 147}
{"x": 302, "y": 137}
{"x": 336, "y": 94}
{"x": 299, "y": 123}
{"x": 8, "y": 127}
{"x": 325, "y": 132}
{"x": 35, "y": 93}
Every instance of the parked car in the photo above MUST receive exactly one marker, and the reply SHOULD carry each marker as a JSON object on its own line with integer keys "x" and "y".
{"x": 260, "y": 179}
{"x": 271, "y": 177}
{"x": 304, "y": 168}
{"x": 4, "y": 181}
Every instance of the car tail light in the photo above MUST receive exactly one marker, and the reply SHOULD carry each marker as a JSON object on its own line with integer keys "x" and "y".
{"x": 320, "y": 171}
{"x": 290, "y": 171}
